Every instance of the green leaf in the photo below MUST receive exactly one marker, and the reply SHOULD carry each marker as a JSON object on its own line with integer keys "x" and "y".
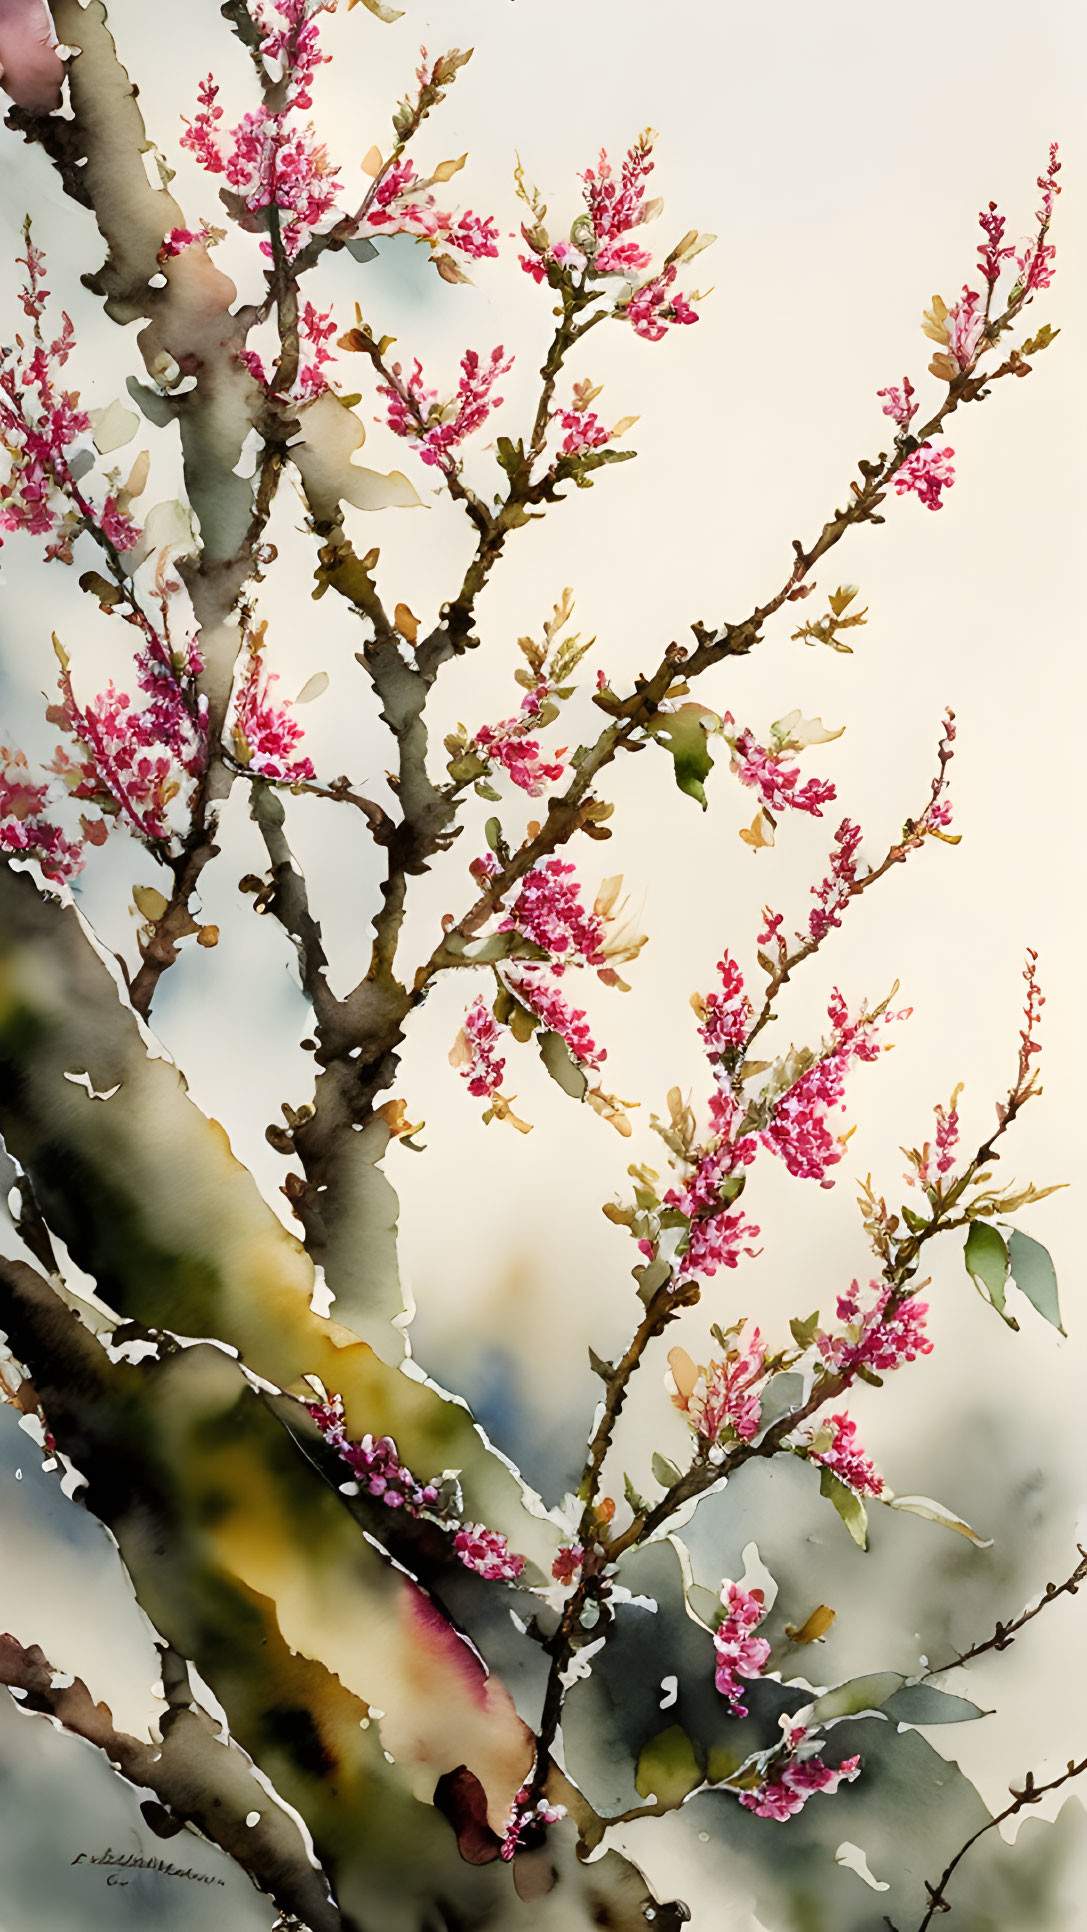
{"x": 803, "y": 1332}
{"x": 1035, "y": 1276}
{"x": 924, "y": 1704}
{"x": 684, "y": 733}
{"x": 986, "y": 1260}
{"x": 492, "y": 832}
{"x": 782, "y": 1393}
{"x": 848, "y": 1505}
{"x": 650, "y": 1278}
{"x": 668, "y": 1767}
{"x": 510, "y": 455}
{"x": 664, "y": 1472}
{"x": 931, "y": 1512}
{"x": 859, "y": 1694}
{"x": 635, "y": 1501}
{"x": 561, "y": 1065}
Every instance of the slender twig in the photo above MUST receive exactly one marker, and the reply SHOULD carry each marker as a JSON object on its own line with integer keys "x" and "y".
{"x": 1031, "y": 1794}
{"x": 1005, "y": 1633}
{"x": 704, "y": 1474}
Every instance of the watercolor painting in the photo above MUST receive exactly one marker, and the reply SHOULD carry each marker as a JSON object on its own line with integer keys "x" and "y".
{"x": 541, "y": 1351}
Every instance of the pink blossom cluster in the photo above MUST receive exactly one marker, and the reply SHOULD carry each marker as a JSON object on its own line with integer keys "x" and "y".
{"x": 833, "y": 893}
{"x": 401, "y": 203}
{"x": 724, "y": 1017}
{"x": 846, "y": 1459}
{"x": 533, "y": 985}
{"x": 774, "y": 775}
{"x": 507, "y": 744}
{"x": 177, "y": 240}
{"x": 928, "y": 473}
{"x": 657, "y": 306}
{"x": 25, "y": 830}
{"x": 899, "y": 403}
{"x": 374, "y": 1461}
{"x": 965, "y": 328}
{"x": 265, "y": 735}
{"x": 524, "y": 1816}
{"x": 1034, "y": 259}
{"x": 616, "y": 205}
{"x": 739, "y": 1654}
{"x": 39, "y": 423}
{"x": 483, "y": 1069}
{"x": 876, "y": 1340}
{"x": 797, "y": 1131}
{"x": 567, "y": 1563}
{"x": 795, "y": 1777}
{"x": 548, "y": 910}
{"x": 937, "y": 1157}
{"x": 316, "y": 329}
{"x": 268, "y": 159}
{"x": 583, "y": 431}
{"x": 603, "y": 241}
{"x": 717, "y": 1241}
{"x": 991, "y": 253}
{"x": 488, "y": 1553}
{"x": 731, "y": 1397}
{"x": 377, "y": 1466}
{"x": 133, "y": 763}
{"x": 435, "y": 429}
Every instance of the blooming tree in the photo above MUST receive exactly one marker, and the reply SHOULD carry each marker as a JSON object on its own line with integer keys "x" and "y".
{"x": 440, "y": 1692}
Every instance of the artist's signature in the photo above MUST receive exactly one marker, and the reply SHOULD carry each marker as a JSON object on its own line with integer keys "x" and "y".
{"x": 132, "y": 1861}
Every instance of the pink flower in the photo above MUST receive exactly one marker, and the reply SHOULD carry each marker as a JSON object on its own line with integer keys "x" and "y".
{"x": 378, "y": 1468}
{"x": 120, "y": 529}
{"x": 265, "y": 735}
{"x": 25, "y": 831}
{"x": 722, "y": 1396}
{"x": 927, "y": 472}
{"x": 533, "y": 986}
{"x": 508, "y": 745}
{"x": 775, "y": 777}
{"x": 718, "y": 1241}
{"x": 374, "y": 1462}
{"x": 1034, "y": 259}
{"x": 549, "y": 911}
{"x": 899, "y": 403}
{"x": 657, "y": 304}
{"x": 877, "y": 1340}
{"x": 567, "y": 1564}
{"x": 965, "y": 327}
{"x": 990, "y": 252}
{"x": 797, "y": 1131}
{"x": 584, "y": 431}
{"x": 267, "y": 159}
{"x": 846, "y": 1459}
{"x": 482, "y": 1068}
{"x": 604, "y": 241}
{"x": 487, "y": 1552}
{"x": 833, "y": 893}
{"x": 524, "y": 1817}
{"x": 435, "y": 430}
{"x": 937, "y": 1158}
{"x": 739, "y": 1654}
{"x": 616, "y": 204}
{"x": 793, "y": 1780}
{"x": 401, "y": 203}
{"x": 134, "y": 763}
{"x": 724, "y": 1017}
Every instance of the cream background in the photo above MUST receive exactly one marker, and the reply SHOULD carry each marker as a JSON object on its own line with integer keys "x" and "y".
{"x": 841, "y": 154}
